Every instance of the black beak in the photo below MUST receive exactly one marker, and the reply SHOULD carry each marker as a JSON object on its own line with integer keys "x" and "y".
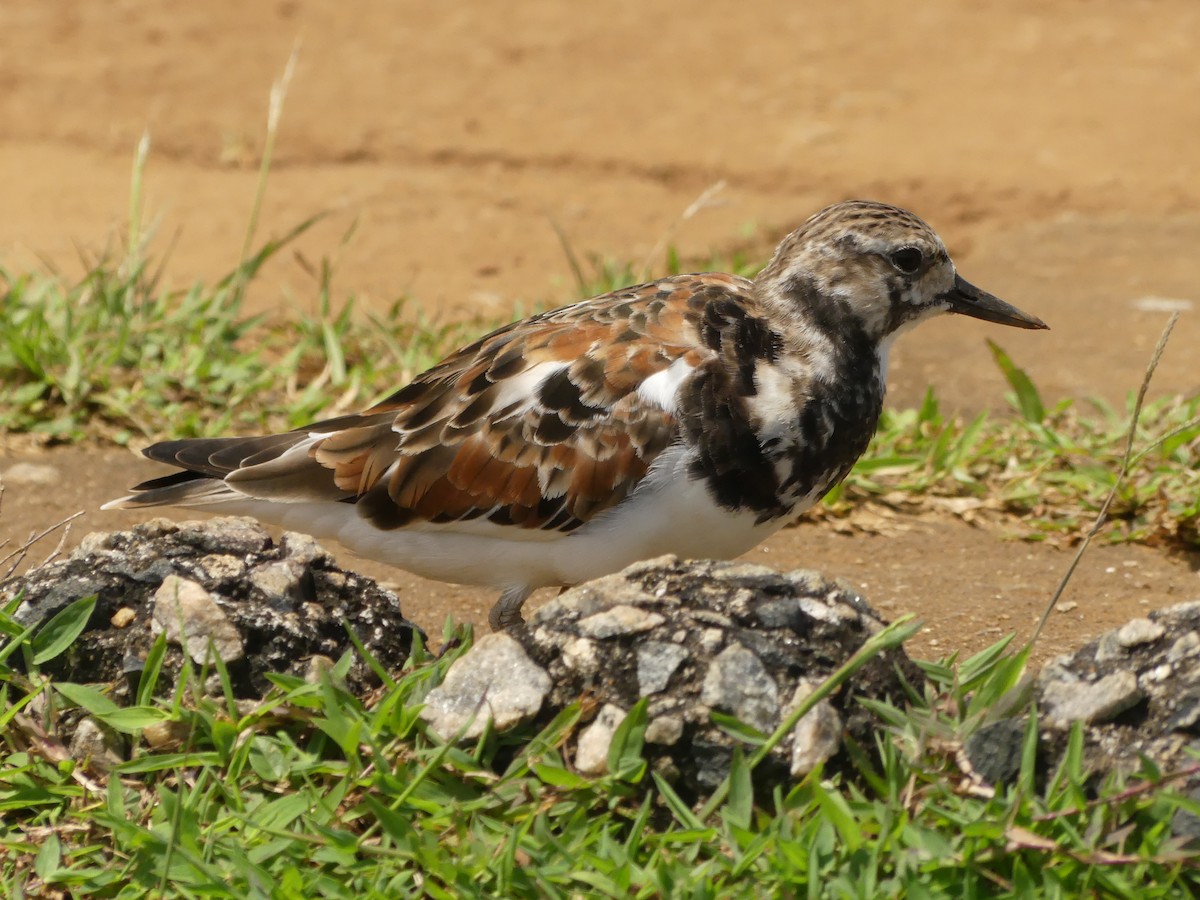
{"x": 969, "y": 300}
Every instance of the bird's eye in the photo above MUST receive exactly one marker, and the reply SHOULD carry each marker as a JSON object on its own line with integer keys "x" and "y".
{"x": 907, "y": 260}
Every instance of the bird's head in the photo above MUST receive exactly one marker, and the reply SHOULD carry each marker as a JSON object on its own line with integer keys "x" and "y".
{"x": 877, "y": 266}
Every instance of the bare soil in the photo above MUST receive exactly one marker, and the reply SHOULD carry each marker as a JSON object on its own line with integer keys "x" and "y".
{"x": 1052, "y": 144}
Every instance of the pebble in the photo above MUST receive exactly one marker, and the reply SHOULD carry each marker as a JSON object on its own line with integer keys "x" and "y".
{"x": 97, "y": 746}
{"x": 591, "y": 755}
{"x": 1139, "y": 631}
{"x": 664, "y": 731}
{"x": 191, "y": 618}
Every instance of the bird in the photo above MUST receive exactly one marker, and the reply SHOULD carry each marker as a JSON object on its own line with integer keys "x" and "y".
{"x": 694, "y": 415}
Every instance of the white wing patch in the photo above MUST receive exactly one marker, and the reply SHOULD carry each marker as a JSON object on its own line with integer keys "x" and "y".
{"x": 522, "y": 389}
{"x": 662, "y": 388}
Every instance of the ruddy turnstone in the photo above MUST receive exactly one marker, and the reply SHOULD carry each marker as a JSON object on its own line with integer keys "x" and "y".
{"x": 694, "y": 415}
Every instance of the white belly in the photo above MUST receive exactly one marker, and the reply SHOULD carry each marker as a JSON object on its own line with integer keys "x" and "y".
{"x": 666, "y": 514}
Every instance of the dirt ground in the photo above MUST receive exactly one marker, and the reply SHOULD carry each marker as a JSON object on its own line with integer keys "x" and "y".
{"x": 1052, "y": 145}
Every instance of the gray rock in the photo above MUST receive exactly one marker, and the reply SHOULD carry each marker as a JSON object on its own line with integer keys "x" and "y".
{"x": 1101, "y": 701}
{"x": 1185, "y": 646}
{"x": 97, "y": 746}
{"x": 1109, "y": 648}
{"x": 995, "y": 750}
{"x": 1137, "y": 688}
{"x": 591, "y": 755}
{"x": 738, "y": 683}
{"x": 713, "y": 636}
{"x": 493, "y": 680}
{"x": 125, "y": 570}
{"x": 1185, "y": 824}
{"x": 191, "y": 619}
{"x": 1187, "y": 712}
{"x": 656, "y": 663}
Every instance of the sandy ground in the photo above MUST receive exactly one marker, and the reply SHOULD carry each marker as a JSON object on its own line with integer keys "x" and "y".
{"x": 1052, "y": 144}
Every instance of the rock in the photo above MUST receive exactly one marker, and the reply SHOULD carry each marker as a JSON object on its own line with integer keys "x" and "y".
{"x": 284, "y": 580}
{"x": 1137, "y": 688}
{"x": 1139, "y": 631}
{"x": 167, "y": 735}
{"x": 1187, "y": 712}
{"x": 617, "y": 620}
{"x": 494, "y": 680}
{"x": 656, "y": 663}
{"x": 1185, "y": 824}
{"x": 591, "y": 754}
{"x": 818, "y": 734}
{"x": 995, "y": 750}
{"x": 304, "y": 549}
{"x": 738, "y": 683}
{"x": 1109, "y": 648}
{"x": 1185, "y": 646}
{"x": 190, "y": 617}
{"x": 582, "y": 656}
{"x": 694, "y": 637}
{"x": 1101, "y": 701}
{"x": 97, "y": 746}
{"x": 217, "y": 559}
{"x": 665, "y": 730}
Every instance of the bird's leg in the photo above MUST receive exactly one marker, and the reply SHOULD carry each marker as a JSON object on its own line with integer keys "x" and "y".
{"x": 507, "y": 611}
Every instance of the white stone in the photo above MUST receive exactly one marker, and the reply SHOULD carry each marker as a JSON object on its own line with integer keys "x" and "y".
{"x": 664, "y": 731}
{"x": 191, "y": 618}
{"x": 1139, "y": 631}
{"x": 580, "y": 655}
{"x": 278, "y": 579}
{"x": 818, "y": 734}
{"x": 618, "y": 620}
{"x": 591, "y": 754}
{"x": 494, "y": 680}
{"x": 711, "y": 639}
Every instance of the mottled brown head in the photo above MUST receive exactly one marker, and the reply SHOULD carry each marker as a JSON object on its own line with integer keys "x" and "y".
{"x": 874, "y": 265}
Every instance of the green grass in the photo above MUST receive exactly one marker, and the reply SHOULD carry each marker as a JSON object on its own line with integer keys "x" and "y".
{"x": 312, "y": 793}
{"x": 117, "y": 357}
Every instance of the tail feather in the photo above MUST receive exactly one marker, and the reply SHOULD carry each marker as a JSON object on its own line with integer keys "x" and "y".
{"x": 176, "y": 489}
{"x": 220, "y": 470}
{"x": 217, "y": 457}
